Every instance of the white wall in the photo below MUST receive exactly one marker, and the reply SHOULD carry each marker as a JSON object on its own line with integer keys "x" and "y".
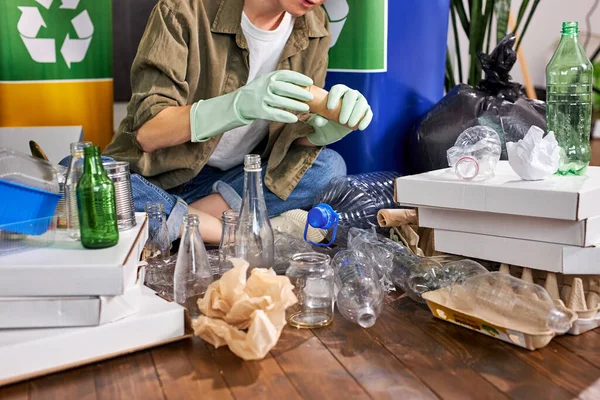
{"x": 543, "y": 35}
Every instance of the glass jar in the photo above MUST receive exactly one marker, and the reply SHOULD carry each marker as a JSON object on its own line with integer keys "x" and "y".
{"x": 313, "y": 280}
{"x": 227, "y": 245}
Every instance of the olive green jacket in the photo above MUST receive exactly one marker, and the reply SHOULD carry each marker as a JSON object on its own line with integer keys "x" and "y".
{"x": 193, "y": 50}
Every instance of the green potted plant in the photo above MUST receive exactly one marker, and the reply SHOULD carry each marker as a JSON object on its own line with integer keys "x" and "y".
{"x": 475, "y": 18}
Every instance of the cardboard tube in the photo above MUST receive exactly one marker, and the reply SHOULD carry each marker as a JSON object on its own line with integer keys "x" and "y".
{"x": 319, "y": 106}
{"x": 390, "y": 218}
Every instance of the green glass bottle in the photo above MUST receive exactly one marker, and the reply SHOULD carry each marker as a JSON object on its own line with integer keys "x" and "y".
{"x": 569, "y": 77}
{"x": 96, "y": 203}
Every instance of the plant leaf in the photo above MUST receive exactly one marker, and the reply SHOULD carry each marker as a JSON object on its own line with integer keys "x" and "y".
{"x": 488, "y": 17}
{"x": 462, "y": 15}
{"x": 522, "y": 10}
{"x": 476, "y": 37}
{"x": 531, "y": 12}
{"x": 502, "y": 9}
{"x": 456, "y": 44}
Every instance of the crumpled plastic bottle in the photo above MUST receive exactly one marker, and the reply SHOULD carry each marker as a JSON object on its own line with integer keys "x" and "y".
{"x": 475, "y": 154}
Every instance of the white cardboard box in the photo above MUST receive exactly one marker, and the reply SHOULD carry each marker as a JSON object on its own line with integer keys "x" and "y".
{"x": 574, "y": 233}
{"x": 28, "y": 353}
{"x": 53, "y": 312}
{"x": 67, "y": 269}
{"x": 571, "y": 198}
{"x": 524, "y": 253}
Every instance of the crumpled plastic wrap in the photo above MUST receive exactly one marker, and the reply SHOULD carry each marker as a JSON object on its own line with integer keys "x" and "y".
{"x": 159, "y": 275}
{"x": 286, "y": 245}
{"x": 233, "y": 305}
{"x": 534, "y": 157}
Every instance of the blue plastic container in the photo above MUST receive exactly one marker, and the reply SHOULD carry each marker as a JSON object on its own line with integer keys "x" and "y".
{"x": 411, "y": 85}
{"x": 22, "y": 203}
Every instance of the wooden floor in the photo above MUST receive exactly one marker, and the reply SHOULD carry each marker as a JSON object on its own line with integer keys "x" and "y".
{"x": 406, "y": 355}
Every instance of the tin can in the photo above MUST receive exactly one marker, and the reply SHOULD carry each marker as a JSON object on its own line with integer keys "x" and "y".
{"x": 118, "y": 172}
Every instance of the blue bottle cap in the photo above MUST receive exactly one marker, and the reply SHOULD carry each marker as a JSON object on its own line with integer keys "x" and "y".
{"x": 322, "y": 216}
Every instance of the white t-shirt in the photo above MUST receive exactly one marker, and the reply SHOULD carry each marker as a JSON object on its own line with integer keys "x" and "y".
{"x": 265, "y": 48}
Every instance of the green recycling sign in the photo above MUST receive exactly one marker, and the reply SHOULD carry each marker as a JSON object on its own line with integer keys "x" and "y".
{"x": 359, "y": 35}
{"x": 55, "y": 39}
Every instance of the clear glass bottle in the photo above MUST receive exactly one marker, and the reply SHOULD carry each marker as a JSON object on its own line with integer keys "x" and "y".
{"x": 74, "y": 173}
{"x": 227, "y": 245}
{"x": 158, "y": 244}
{"x": 313, "y": 280}
{"x": 254, "y": 240}
{"x": 193, "y": 274}
{"x": 569, "y": 80}
{"x": 96, "y": 203}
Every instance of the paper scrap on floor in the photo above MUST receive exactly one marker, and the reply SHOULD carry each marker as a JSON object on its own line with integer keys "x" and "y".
{"x": 233, "y": 304}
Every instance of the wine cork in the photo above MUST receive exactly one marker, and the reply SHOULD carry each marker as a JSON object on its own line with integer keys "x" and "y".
{"x": 318, "y": 105}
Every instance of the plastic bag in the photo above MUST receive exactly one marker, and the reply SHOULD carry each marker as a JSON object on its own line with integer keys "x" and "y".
{"x": 496, "y": 102}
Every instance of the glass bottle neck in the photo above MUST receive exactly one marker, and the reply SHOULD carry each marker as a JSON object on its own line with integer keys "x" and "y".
{"x": 92, "y": 162}
{"x": 252, "y": 185}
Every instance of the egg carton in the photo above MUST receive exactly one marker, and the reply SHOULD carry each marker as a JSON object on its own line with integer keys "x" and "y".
{"x": 580, "y": 294}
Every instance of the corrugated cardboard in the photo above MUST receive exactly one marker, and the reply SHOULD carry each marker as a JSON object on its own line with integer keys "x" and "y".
{"x": 28, "y": 353}
{"x": 574, "y": 233}
{"x": 571, "y": 198}
{"x": 525, "y": 253}
{"x": 53, "y": 312}
{"x": 67, "y": 269}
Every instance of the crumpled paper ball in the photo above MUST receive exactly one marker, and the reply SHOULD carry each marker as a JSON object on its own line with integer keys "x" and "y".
{"x": 534, "y": 157}
{"x": 247, "y": 315}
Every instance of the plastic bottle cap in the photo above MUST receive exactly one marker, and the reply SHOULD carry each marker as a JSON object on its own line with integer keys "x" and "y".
{"x": 366, "y": 317}
{"x": 321, "y": 216}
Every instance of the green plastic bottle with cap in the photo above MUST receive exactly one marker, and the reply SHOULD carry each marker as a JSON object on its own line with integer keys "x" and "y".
{"x": 96, "y": 203}
{"x": 569, "y": 78}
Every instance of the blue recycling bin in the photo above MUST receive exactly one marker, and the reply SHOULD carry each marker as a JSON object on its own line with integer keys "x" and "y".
{"x": 394, "y": 52}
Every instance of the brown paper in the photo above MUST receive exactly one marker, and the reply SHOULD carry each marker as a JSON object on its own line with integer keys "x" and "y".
{"x": 390, "y": 218}
{"x": 233, "y": 304}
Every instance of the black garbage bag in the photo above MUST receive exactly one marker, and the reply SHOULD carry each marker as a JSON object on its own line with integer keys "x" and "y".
{"x": 495, "y": 102}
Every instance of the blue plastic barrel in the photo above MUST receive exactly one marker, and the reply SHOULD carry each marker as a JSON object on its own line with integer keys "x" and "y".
{"x": 401, "y": 85}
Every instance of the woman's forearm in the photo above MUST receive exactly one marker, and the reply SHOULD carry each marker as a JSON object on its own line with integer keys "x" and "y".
{"x": 168, "y": 128}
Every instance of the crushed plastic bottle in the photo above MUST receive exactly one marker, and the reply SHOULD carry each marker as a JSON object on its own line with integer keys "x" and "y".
{"x": 398, "y": 266}
{"x": 355, "y": 200}
{"x": 475, "y": 154}
{"x": 510, "y": 301}
{"x": 359, "y": 292}
{"x": 430, "y": 275}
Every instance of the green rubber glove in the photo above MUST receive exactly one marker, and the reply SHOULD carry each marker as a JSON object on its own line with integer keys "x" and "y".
{"x": 266, "y": 97}
{"x": 354, "y": 107}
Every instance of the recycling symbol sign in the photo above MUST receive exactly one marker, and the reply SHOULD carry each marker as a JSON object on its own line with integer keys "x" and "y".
{"x": 47, "y": 50}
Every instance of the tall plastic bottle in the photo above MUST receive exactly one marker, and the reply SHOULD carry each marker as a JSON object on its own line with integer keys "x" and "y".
{"x": 359, "y": 291}
{"x": 569, "y": 80}
{"x": 352, "y": 201}
{"x": 254, "y": 240}
{"x": 193, "y": 273}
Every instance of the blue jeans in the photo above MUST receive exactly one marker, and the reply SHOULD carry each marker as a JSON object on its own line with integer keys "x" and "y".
{"x": 230, "y": 184}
